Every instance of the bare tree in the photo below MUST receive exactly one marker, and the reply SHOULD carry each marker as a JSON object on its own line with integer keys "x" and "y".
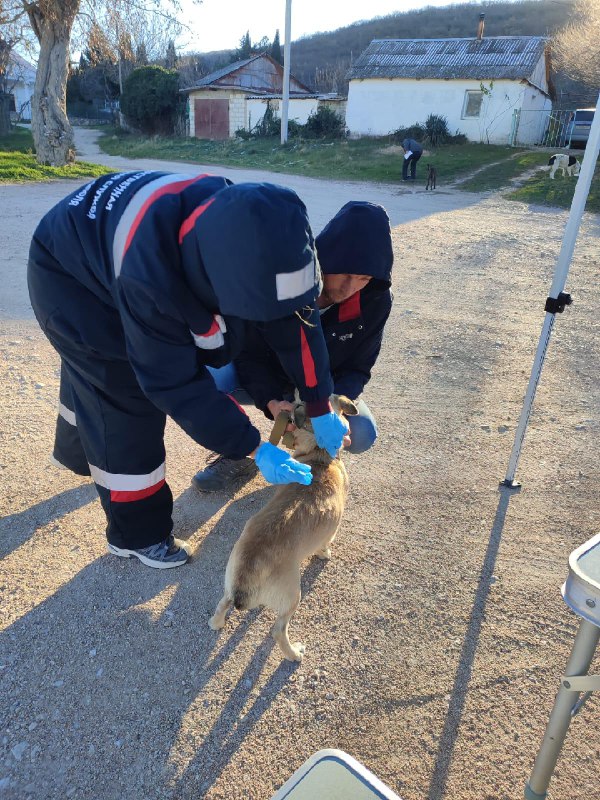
{"x": 577, "y": 46}
{"x": 332, "y": 77}
{"x": 52, "y": 23}
{"x": 126, "y": 24}
{"x": 191, "y": 68}
{"x": 13, "y": 33}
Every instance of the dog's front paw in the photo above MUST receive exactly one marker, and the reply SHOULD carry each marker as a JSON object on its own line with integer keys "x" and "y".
{"x": 324, "y": 554}
{"x": 216, "y": 623}
{"x": 298, "y": 650}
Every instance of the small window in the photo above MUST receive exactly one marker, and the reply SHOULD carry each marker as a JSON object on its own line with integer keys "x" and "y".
{"x": 472, "y": 104}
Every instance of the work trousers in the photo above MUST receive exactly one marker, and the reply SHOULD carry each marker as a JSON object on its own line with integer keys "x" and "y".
{"x": 412, "y": 160}
{"x": 106, "y": 426}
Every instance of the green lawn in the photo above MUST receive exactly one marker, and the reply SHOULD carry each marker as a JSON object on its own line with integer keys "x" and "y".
{"x": 18, "y": 164}
{"x": 497, "y": 176}
{"x": 539, "y": 189}
{"x": 377, "y": 160}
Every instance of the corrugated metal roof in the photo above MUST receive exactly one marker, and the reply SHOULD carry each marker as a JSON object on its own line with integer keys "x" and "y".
{"x": 490, "y": 58}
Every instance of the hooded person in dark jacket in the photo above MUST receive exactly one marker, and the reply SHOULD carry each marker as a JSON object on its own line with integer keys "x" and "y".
{"x": 141, "y": 281}
{"x": 355, "y": 255}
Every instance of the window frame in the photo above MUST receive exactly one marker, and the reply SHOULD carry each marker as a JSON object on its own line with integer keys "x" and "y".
{"x": 468, "y": 92}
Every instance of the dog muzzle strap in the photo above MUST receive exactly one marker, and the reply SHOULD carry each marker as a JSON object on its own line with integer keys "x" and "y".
{"x": 278, "y": 432}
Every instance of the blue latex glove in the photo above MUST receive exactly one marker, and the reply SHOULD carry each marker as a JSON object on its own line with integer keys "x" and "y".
{"x": 329, "y": 431}
{"x": 277, "y": 466}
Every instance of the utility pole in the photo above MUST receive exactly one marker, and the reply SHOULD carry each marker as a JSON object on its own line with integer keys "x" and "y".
{"x": 286, "y": 72}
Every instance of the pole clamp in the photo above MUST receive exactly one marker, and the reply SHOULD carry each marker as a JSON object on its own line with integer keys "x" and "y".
{"x": 556, "y": 305}
{"x": 581, "y": 683}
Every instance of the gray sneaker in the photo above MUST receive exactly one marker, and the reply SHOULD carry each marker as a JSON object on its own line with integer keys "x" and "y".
{"x": 221, "y": 472}
{"x": 164, "y": 555}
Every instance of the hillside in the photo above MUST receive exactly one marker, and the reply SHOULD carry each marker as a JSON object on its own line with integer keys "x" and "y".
{"x": 322, "y": 60}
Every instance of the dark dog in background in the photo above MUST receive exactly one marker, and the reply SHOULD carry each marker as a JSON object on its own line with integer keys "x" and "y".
{"x": 431, "y": 177}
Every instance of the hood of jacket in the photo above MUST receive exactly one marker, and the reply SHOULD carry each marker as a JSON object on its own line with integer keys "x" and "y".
{"x": 357, "y": 241}
{"x": 257, "y": 250}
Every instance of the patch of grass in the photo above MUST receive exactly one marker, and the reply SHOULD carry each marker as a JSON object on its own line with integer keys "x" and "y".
{"x": 18, "y": 140}
{"x": 18, "y": 164}
{"x": 497, "y": 176}
{"x": 360, "y": 159}
{"x": 540, "y": 190}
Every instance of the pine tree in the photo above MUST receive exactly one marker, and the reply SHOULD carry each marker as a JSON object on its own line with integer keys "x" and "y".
{"x": 171, "y": 57}
{"x": 245, "y": 48}
{"x": 141, "y": 56}
{"x": 276, "y": 49}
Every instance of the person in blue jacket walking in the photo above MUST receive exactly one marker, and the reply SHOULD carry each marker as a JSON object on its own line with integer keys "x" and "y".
{"x": 355, "y": 254}
{"x": 142, "y": 280}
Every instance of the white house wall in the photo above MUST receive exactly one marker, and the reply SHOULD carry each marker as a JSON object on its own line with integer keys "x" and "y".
{"x": 299, "y": 109}
{"x": 378, "y": 106}
{"x": 533, "y": 117}
{"x": 22, "y": 94}
{"x": 255, "y": 111}
{"x": 538, "y": 77}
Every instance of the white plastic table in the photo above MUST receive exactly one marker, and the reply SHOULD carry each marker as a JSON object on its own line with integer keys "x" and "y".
{"x": 333, "y": 775}
{"x": 581, "y": 592}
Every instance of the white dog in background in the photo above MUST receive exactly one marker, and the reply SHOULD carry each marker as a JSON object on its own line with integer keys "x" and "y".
{"x": 568, "y": 164}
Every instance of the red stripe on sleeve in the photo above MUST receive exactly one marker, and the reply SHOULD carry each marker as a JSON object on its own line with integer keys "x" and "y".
{"x": 350, "y": 308}
{"x": 129, "y": 497}
{"x": 308, "y": 364}
{"x": 241, "y": 408}
{"x": 170, "y": 188}
{"x": 188, "y": 223}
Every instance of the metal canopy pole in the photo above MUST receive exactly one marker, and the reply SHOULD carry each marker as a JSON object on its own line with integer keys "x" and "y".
{"x": 286, "y": 72}
{"x": 558, "y": 299}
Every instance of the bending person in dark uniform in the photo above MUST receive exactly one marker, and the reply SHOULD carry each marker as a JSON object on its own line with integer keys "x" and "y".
{"x": 355, "y": 255}
{"x": 412, "y": 153}
{"x": 141, "y": 281}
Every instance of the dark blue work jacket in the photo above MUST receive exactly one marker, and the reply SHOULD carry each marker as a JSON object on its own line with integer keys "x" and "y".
{"x": 185, "y": 261}
{"x": 353, "y": 332}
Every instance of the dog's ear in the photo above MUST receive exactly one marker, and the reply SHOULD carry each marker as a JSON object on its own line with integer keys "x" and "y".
{"x": 300, "y": 415}
{"x": 347, "y": 407}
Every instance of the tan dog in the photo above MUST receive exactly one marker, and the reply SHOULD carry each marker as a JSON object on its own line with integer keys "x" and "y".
{"x": 299, "y": 521}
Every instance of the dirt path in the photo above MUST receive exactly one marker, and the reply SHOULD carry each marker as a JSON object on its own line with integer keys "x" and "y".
{"x": 436, "y": 634}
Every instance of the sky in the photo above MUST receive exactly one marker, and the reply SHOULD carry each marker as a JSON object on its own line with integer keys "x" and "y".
{"x": 220, "y": 24}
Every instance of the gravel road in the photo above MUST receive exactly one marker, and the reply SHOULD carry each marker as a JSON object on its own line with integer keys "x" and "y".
{"x": 436, "y": 635}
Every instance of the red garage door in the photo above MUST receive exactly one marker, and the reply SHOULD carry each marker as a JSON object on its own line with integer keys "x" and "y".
{"x": 212, "y": 119}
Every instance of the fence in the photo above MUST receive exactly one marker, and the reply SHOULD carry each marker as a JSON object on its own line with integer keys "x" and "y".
{"x": 547, "y": 128}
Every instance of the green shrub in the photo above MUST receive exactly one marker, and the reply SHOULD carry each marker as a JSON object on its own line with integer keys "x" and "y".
{"x": 324, "y": 123}
{"x": 416, "y": 132}
{"x": 268, "y": 124}
{"x": 150, "y": 99}
{"x": 244, "y": 134}
{"x": 436, "y": 130}
{"x": 295, "y": 129}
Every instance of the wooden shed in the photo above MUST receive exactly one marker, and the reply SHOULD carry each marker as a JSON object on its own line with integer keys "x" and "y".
{"x": 235, "y": 97}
